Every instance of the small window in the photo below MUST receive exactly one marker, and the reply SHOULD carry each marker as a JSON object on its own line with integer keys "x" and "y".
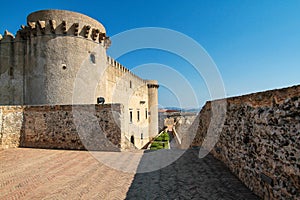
{"x": 130, "y": 116}
{"x": 130, "y": 84}
{"x": 142, "y": 136}
{"x": 146, "y": 113}
{"x": 138, "y": 115}
{"x": 93, "y": 58}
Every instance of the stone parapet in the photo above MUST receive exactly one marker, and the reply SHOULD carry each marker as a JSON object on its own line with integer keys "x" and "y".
{"x": 259, "y": 141}
{"x": 92, "y": 127}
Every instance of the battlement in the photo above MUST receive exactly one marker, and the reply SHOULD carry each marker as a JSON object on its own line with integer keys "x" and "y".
{"x": 116, "y": 64}
{"x": 8, "y": 36}
{"x": 152, "y": 84}
{"x": 62, "y": 23}
{"x": 113, "y": 63}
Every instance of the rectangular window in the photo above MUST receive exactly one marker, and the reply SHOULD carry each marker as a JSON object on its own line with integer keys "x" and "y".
{"x": 138, "y": 115}
{"x": 130, "y": 116}
{"x": 146, "y": 113}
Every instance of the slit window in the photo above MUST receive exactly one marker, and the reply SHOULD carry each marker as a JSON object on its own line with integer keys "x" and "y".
{"x": 130, "y": 116}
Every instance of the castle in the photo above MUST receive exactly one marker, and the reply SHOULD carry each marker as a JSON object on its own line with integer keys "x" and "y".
{"x": 59, "y": 59}
{"x": 55, "y": 68}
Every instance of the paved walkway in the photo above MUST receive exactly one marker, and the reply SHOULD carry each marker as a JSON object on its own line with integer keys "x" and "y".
{"x": 59, "y": 174}
{"x": 190, "y": 178}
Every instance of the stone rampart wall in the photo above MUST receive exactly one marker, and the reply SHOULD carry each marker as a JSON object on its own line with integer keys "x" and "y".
{"x": 11, "y": 123}
{"x": 260, "y": 141}
{"x": 92, "y": 127}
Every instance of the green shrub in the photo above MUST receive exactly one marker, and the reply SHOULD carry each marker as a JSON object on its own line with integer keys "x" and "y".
{"x": 165, "y": 137}
{"x": 154, "y": 144}
{"x": 159, "y": 146}
{"x": 161, "y": 142}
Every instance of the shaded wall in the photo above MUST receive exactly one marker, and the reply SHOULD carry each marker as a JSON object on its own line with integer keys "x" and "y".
{"x": 12, "y": 56}
{"x": 260, "y": 141}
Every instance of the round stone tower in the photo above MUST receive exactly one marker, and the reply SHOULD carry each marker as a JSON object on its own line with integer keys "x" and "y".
{"x": 153, "y": 107}
{"x": 57, "y": 43}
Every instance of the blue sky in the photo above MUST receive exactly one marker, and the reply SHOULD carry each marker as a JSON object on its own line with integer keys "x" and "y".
{"x": 255, "y": 44}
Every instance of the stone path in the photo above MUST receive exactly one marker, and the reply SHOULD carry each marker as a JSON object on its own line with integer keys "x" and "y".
{"x": 190, "y": 178}
{"x": 59, "y": 174}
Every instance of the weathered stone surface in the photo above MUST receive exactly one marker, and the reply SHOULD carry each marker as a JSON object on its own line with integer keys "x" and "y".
{"x": 92, "y": 127}
{"x": 11, "y": 119}
{"x": 260, "y": 141}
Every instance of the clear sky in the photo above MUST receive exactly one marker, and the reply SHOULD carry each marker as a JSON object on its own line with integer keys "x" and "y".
{"x": 255, "y": 44}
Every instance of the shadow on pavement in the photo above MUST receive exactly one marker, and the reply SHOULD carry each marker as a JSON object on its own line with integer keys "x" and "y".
{"x": 189, "y": 178}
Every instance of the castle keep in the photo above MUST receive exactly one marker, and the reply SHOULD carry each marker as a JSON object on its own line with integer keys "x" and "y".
{"x": 59, "y": 58}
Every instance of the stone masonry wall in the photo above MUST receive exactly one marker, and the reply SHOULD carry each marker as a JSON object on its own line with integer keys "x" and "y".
{"x": 11, "y": 119}
{"x": 260, "y": 141}
{"x": 92, "y": 127}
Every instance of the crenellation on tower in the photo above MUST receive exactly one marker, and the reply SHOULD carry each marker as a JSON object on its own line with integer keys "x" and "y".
{"x": 8, "y": 34}
{"x": 40, "y": 28}
{"x": 64, "y": 27}
{"x": 52, "y": 25}
{"x": 31, "y": 25}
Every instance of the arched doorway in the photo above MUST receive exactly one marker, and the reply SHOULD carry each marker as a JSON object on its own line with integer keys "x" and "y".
{"x": 132, "y": 139}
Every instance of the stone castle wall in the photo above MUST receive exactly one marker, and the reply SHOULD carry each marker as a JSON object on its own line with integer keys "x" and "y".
{"x": 124, "y": 87}
{"x": 259, "y": 141}
{"x": 92, "y": 127}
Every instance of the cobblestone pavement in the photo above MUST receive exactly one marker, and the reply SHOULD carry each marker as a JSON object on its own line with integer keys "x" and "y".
{"x": 59, "y": 174}
{"x": 190, "y": 178}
